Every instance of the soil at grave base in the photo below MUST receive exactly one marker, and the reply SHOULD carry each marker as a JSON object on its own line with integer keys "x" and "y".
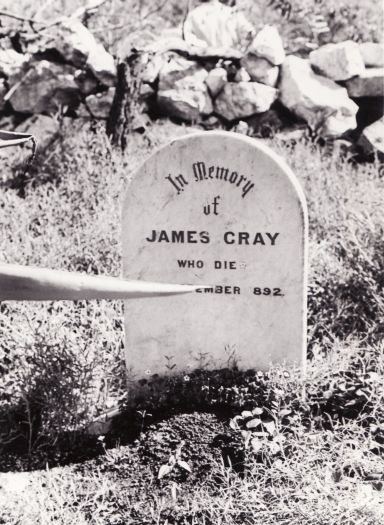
{"x": 207, "y": 443}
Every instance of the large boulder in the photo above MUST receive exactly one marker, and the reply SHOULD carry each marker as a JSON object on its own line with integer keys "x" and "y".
{"x": 372, "y": 139}
{"x": 369, "y": 84}
{"x": 77, "y": 45}
{"x": 243, "y": 99}
{"x": 216, "y": 80}
{"x": 73, "y": 41}
{"x": 182, "y": 90}
{"x": 260, "y": 69}
{"x": 372, "y": 53}
{"x": 11, "y": 62}
{"x": 322, "y": 103}
{"x": 269, "y": 45}
{"x": 44, "y": 87}
{"x": 338, "y": 61}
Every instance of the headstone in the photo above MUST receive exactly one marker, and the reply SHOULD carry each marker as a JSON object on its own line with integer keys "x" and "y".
{"x": 220, "y": 209}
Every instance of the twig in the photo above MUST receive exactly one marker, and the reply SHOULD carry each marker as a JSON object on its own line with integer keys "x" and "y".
{"x": 21, "y": 18}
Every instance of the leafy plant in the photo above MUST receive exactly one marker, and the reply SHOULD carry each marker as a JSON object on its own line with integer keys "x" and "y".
{"x": 174, "y": 461}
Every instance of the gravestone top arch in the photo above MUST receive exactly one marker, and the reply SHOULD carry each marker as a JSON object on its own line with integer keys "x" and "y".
{"x": 221, "y": 209}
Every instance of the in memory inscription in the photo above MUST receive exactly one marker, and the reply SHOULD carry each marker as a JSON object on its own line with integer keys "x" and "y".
{"x": 221, "y": 209}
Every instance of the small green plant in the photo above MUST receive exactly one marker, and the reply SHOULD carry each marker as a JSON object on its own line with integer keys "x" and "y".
{"x": 259, "y": 430}
{"x": 173, "y": 462}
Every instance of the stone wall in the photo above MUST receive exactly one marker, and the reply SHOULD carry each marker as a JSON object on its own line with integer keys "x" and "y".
{"x": 337, "y": 90}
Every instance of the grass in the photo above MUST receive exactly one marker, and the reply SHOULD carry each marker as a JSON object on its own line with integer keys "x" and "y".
{"x": 322, "y": 476}
{"x": 62, "y": 363}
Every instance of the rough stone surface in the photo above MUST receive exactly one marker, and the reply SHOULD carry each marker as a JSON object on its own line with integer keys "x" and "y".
{"x": 338, "y": 61}
{"x": 182, "y": 90}
{"x": 102, "y": 65}
{"x": 260, "y": 70}
{"x": 372, "y": 53}
{"x": 184, "y": 104}
{"x": 242, "y": 99}
{"x": 255, "y": 313}
{"x": 73, "y": 41}
{"x": 11, "y": 62}
{"x": 79, "y": 47}
{"x": 369, "y": 84}
{"x": 179, "y": 70}
{"x": 322, "y": 103}
{"x": 242, "y": 75}
{"x": 372, "y": 139}
{"x": 44, "y": 88}
{"x": 216, "y": 80}
{"x": 99, "y": 105}
{"x": 268, "y": 44}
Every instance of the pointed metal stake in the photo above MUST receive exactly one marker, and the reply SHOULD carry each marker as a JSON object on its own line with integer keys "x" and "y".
{"x": 24, "y": 283}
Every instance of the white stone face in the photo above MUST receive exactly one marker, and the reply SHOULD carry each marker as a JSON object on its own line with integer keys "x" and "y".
{"x": 182, "y": 90}
{"x": 260, "y": 70}
{"x": 242, "y": 75}
{"x": 44, "y": 87}
{"x": 216, "y": 80}
{"x": 218, "y": 209}
{"x": 11, "y": 62}
{"x": 338, "y": 61}
{"x": 322, "y": 103}
{"x": 243, "y": 99}
{"x": 372, "y": 53}
{"x": 269, "y": 45}
{"x": 102, "y": 65}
